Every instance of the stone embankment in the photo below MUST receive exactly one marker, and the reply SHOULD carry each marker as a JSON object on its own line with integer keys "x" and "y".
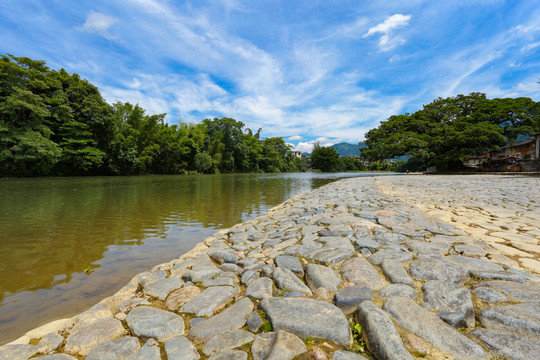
{"x": 370, "y": 268}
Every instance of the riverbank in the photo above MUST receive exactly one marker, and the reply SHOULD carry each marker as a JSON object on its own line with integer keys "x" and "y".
{"x": 428, "y": 266}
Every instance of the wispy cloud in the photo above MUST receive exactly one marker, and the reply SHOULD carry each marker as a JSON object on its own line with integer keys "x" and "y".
{"x": 98, "y": 23}
{"x": 388, "y": 41}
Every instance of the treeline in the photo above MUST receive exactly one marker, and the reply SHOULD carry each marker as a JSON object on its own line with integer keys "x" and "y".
{"x": 53, "y": 123}
{"x": 447, "y": 131}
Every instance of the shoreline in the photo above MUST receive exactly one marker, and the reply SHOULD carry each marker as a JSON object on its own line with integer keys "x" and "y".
{"x": 344, "y": 249}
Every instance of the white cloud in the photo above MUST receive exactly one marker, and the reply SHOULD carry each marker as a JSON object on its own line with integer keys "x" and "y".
{"x": 98, "y": 23}
{"x": 295, "y": 138}
{"x": 387, "y": 41}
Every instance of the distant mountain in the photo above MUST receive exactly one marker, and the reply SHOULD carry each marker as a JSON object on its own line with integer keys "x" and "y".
{"x": 347, "y": 149}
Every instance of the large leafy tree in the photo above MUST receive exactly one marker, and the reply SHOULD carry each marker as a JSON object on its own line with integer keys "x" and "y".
{"x": 325, "y": 159}
{"x": 447, "y": 131}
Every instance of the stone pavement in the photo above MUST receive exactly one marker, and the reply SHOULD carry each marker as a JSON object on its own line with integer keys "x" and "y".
{"x": 393, "y": 267}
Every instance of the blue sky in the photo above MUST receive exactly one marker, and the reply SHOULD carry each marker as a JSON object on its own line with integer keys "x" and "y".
{"x": 303, "y": 70}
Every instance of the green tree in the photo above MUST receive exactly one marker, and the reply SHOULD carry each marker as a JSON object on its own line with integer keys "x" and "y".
{"x": 325, "y": 159}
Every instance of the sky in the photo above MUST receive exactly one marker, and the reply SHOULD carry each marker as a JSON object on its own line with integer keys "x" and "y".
{"x": 306, "y": 71}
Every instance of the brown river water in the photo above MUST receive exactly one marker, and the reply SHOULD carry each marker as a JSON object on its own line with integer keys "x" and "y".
{"x": 51, "y": 230}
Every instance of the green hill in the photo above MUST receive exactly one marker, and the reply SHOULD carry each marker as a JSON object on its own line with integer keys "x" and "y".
{"x": 347, "y": 149}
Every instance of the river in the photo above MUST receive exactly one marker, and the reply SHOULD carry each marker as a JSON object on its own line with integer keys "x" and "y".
{"x": 52, "y": 229}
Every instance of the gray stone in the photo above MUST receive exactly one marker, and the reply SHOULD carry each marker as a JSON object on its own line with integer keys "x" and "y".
{"x": 223, "y": 255}
{"x": 86, "y": 335}
{"x": 399, "y": 255}
{"x": 247, "y": 262}
{"x": 50, "y": 342}
{"x": 150, "y": 351}
{"x": 161, "y": 288}
{"x": 279, "y": 345}
{"x": 395, "y": 272}
{"x": 286, "y": 280}
{"x": 180, "y": 348}
{"x": 384, "y": 237}
{"x": 504, "y": 275}
{"x": 323, "y": 233}
{"x": 255, "y": 267}
{"x": 424, "y": 324}
{"x": 348, "y": 298}
{"x": 360, "y": 272}
{"x": 231, "y": 267}
{"x": 528, "y": 292}
{"x": 513, "y": 346}
{"x": 397, "y": 290}
{"x": 268, "y": 270}
{"x": 254, "y": 321}
{"x": 18, "y": 351}
{"x": 151, "y": 322}
{"x": 473, "y": 263}
{"x": 321, "y": 276}
{"x": 449, "y": 297}
{"x": 365, "y": 243}
{"x": 454, "y": 319}
{"x": 116, "y": 349}
{"x": 290, "y": 262}
{"x": 260, "y": 288}
{"x": 210, "y": 300}
{"x": 521, "y": 319}
{"x": 418, "y": 246}
{"x": 433, "y": 269}
{"x": 230, "y": 355}
{"x": 234, "y": 317}
{"x": 201, "y": 273}
{"x": 227, "y": 341}
{"x": 292, "y": 294}
{"x": 296, "y": 315}
{"x": 330, "y": 254}
{"x": 221, "y": 281}
{"x": 365, "y": 252}
{"x": 470, "y": 250}
{"x": 489, "y": 295}
{"x": 382, "y": 337}
{"x": 196, "y": 321}
{"x": 346, "y": 355}
{"x": 97, "y": 311}
{"x": 249, "y": 276}
{"x": 181, "y": 296}
{"x": 147, "y": 277}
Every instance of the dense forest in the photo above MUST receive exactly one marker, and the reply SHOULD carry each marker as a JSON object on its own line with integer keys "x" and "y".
{"x": 445, "y": 132}
{"x": 53, "y": 123}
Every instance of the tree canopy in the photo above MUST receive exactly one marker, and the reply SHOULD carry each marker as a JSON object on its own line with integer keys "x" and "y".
{"x": 446, "y": 131}
{"x": 55, "y": 123}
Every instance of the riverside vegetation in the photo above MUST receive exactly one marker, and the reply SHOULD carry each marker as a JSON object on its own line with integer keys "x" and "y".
{"x": 364, "y": 268}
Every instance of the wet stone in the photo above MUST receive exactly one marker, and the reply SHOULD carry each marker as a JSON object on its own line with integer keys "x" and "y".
{"x": 348, "y": 298}
{"x": 286, "y": 280}
{"x": 161, "y": 288}
{"x": 260, "y": 288}
{"x": 360, "y": 272}
{"x": 227, "y": 341}
{"x": 397, "y": 290}
{"x": 424, "y": 324}
{"x": 528, "y": 292}
{"x": 290, "y": 262}
{"x": 210, "y": 300}
{"x": 395, "y": 272}
{"x": 433, "y": 269}
{"x": 513, "y": 346}
{"x": 234, "y": 317}
{"x": 155, "y": 323}
{"x": 115, "y": 349}
{"x": 254, "y": 321}
{"x": 86, "y": 335}
{"x": 449, "y": 297}
{"x": 180, "y": 348}
{"x": 489, "y": 295}
{"x": 322, "y": 276}
{"x": 181, "y": 296}
{"x": 521, "y": 319}
{"x": 383, "y": 339}
{"x": 296, "y": 315}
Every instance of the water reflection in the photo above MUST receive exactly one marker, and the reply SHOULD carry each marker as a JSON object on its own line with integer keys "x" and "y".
{"x": 53, "y": 229}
